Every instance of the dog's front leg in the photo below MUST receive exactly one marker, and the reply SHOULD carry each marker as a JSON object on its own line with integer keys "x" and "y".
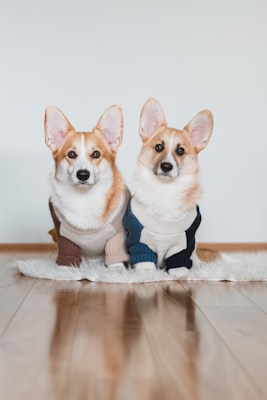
{"x": 69, "y": 254}
{"x": 116, "y": 255}
{"x": 142, "y": 257}
{"x": 179, "y": 264}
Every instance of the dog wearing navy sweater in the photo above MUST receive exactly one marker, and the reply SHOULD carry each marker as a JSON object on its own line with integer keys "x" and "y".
{"x": 163, "y": 214}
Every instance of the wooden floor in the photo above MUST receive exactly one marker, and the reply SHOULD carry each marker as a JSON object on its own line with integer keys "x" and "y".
{"x": 82, "y": 340}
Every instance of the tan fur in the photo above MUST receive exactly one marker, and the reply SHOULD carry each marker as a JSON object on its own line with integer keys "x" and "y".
{"x": 113, "y": 195}
{"x": 207, "y": 255}
{"x": 192, "y": 196}
{"x": 52, "y": 233}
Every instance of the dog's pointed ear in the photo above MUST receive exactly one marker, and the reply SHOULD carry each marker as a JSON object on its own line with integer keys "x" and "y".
{"x": 56, "y": 127}
{"x": 152, "y": 118}
{"x": 200, "y": 129}
{"x": 111, "y": 126}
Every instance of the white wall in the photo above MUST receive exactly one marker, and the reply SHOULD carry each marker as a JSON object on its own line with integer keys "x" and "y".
{"x": 86, "y": 55}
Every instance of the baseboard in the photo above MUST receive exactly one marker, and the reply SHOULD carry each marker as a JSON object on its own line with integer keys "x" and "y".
{"x": 234, "y": 246}
{"x": 27, "y": 247}
{"x": 223, "y": 246}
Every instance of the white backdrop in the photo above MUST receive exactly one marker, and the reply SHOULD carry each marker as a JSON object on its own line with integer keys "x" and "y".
{"x": 83, "y": 56}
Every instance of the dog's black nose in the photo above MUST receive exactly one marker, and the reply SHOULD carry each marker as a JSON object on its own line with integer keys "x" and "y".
{"x": 83, "y": 175}
{"x": 166, "y": 166}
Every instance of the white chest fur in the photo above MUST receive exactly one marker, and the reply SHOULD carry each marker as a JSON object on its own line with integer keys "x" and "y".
{"x": 82, "y": 208}
{"x": 165, "y": 199}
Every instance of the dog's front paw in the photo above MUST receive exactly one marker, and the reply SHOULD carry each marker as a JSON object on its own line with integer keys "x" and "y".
{"x": 117, "y": 268}
{"x": 69, "y": 261}
{"x": 145, "y": 266}
{"x": 179, "y": 273}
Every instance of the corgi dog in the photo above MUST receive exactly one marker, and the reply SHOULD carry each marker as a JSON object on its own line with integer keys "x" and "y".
{"x": 88, "y": 194}
{"x": 163, "y": 214}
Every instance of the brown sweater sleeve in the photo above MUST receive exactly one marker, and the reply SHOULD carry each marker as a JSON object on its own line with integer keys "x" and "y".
{"x": 69, "y": 254}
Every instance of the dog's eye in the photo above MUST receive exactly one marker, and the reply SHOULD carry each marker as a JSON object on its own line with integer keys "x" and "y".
{"x": 96, "y": 154}
{"x": 159, "y": 147}
{"x": 180, "y": 151}
{"x": 72, "y": 154}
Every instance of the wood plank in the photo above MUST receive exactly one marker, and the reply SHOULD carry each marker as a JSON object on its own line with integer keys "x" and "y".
{"x": 111, "y": 358}
{"x": 4, "y": 257}
{"x": 256, "y": 292}
{"x": 243, "y": 330}
{"x": 31, "y": 365}
{"x": 188, "y": 340}
{"x": 239, "y": 323}
{"x": 13, "y": 289}
{"x": 192, "y": 361}
{"x": 216, "y": 294}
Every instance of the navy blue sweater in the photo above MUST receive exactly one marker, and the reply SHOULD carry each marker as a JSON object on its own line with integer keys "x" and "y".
{"x": 140, "y": 251}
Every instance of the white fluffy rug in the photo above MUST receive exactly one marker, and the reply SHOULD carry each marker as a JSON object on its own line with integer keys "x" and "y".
{"x": 230, "y": 267}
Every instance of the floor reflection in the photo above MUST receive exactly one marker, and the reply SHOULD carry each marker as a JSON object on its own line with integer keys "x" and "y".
{"x": 117, "y": 341}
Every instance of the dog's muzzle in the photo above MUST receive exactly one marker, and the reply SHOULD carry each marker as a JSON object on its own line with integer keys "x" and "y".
{"x": 83, "y": 175}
